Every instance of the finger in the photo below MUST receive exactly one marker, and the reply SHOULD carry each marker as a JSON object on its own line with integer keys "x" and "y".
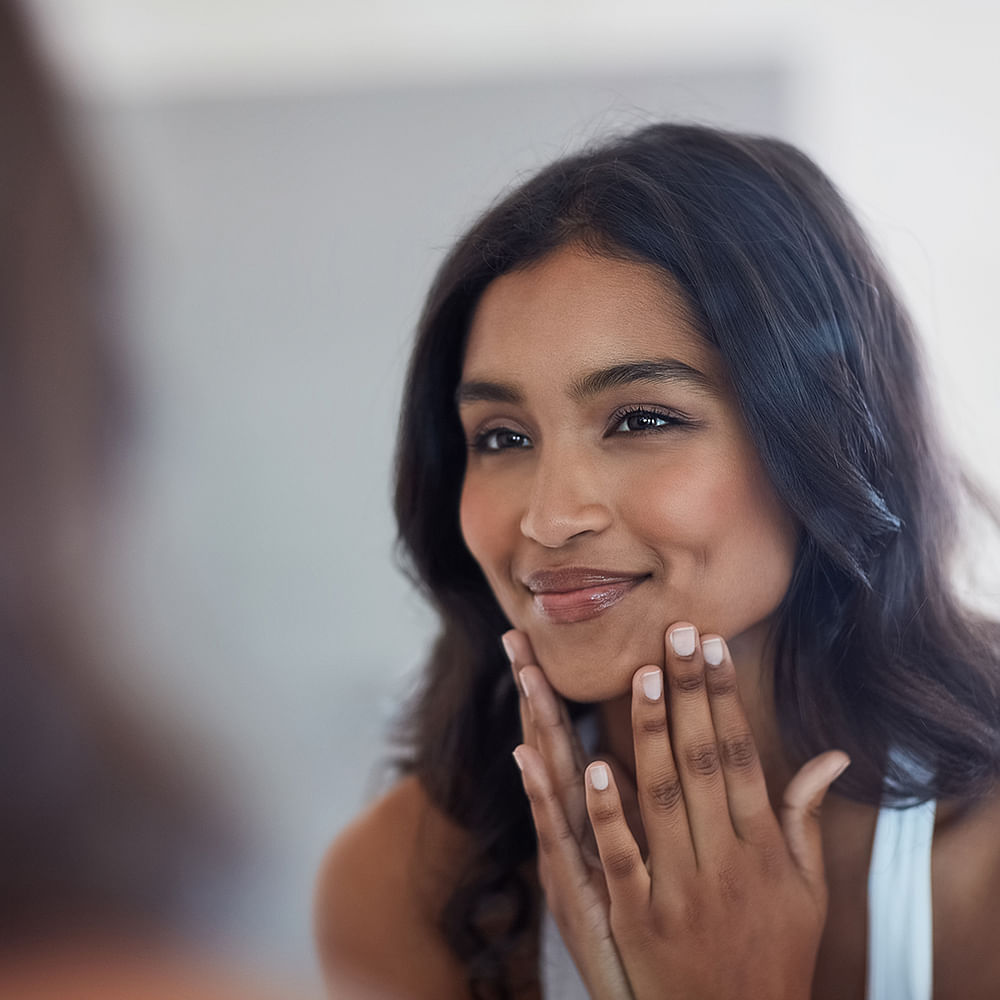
{"x": 800, "y": 811}
{"x": 746, "y": 789}
{"x": 520, "y": 654}
{"x": 627, "y": 879}
{"x": 556, "y": 740}
{"x": 658, "y": 785}
{"x": 625, "y": 780}
{"x": 694, "y": 744}
{"x": 568, "y": 882}
{"x": 559, "y": 854}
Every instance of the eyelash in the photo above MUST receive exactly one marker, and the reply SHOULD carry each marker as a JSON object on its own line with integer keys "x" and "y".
{"x": 670, "y": 420}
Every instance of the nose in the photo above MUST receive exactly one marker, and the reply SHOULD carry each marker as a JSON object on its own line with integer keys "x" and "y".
{"x": 568, "y": 498}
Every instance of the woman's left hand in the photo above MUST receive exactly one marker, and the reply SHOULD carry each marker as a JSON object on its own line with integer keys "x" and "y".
{"x": 552, "y": 763}
{"x": 730, "y": 903}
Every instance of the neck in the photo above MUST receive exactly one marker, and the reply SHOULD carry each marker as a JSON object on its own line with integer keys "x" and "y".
{"x": 753, "y": 655}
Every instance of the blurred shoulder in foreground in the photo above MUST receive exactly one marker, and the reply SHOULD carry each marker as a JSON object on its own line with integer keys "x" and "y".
{"x": 109, "y": 847}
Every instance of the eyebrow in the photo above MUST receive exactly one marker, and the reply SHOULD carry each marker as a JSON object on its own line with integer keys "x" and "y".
{"x": 593, "y": 383}
{"x": 660, "y": 370}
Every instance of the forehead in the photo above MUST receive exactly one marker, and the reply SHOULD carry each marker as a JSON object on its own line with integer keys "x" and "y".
{"x": 575, "y": 310}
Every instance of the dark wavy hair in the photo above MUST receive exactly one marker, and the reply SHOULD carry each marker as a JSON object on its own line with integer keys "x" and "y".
{"x": 876, "y": 655}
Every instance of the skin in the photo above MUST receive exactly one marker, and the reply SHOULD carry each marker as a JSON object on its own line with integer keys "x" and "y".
{"x": 105, "y": 966}
{"x": 705, "y": 860}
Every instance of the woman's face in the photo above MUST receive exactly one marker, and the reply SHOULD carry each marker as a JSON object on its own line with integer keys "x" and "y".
{"x": 611, "y": 487}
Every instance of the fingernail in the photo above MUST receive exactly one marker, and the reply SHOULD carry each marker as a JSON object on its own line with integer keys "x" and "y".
{"x": 652, "y": 684}
{"x": 598, "y": 774}
{"x": 711, "y": 649}
{"x": 517, "y": 759}
{"x": 840, "y": 770}
{"x": 682, "y": 639}
{"x": 524, "y": 687}
{"x": 507, "y": 648}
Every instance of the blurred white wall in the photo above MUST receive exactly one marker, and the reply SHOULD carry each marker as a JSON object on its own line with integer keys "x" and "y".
{"x": 284, "y": 179}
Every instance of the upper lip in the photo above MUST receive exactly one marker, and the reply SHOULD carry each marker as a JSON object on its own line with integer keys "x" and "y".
{"x": 569, "y": 578}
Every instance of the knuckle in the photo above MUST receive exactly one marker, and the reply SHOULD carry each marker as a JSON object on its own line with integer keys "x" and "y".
{"x": 666, "y": 793}
{"x": 621, "y": 863}
{"x": 605, "y": 814}
{"x": 541, "y": 798}
{"x": 652, "y": 725}
{"x": 552, "y": 831}
{"x": 546, "y": 843}
{"x": 739, "y": 752}
{"x": 587, "y": 920}
{"x": 548, "y": 718}
{"x": 533, "y": 796}
{"x": 552, "y": 840}
{"x": 683, "y": 914}
{"x": 722, "y": 683}
{"x": 688, "y": 682}
{"x": 703, "y": 759}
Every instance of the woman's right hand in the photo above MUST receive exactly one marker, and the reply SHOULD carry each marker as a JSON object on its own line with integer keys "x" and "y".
{"x": 552, "y": 764}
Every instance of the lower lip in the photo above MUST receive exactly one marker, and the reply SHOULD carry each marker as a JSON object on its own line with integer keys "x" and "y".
{"x": 571, "y": 606}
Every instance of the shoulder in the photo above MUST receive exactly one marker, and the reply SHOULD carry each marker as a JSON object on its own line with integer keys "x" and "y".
{"x": 102, "y": 965}
{"x": 381, "y": 887}
{"x": 967, "y": 847}
{"x": 966, "y": 880}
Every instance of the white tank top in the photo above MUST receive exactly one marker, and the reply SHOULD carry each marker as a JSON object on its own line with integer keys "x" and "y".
{"x": 900, "y": 933}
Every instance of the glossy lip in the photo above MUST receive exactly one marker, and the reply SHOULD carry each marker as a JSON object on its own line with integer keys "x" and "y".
{"x": 575, "y": 594}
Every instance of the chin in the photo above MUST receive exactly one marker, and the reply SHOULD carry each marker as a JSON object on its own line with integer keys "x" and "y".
{"x": 590, "y": 666}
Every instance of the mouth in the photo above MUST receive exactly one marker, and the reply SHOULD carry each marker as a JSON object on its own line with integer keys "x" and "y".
{"x": 566, "y": 596}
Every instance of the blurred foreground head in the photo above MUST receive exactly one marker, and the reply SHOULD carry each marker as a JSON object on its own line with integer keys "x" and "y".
{"x": 95, "y": 832}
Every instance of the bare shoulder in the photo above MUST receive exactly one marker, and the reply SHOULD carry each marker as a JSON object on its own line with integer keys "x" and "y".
{"x": 382, "y": 883}
{"x": 966, "y": 892}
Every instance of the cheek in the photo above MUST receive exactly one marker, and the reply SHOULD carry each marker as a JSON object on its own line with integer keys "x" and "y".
{"x": 483, "y": 519}
{"x": 680, "y": 508}
{"x": 726, "y": 542}
{"x": 473, "y": 519}
{"x": 756, "y": 555}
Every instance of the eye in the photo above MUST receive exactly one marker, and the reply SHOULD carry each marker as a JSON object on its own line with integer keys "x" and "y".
{"x": 500, "y": 439}
{"x": 641, "y": 421}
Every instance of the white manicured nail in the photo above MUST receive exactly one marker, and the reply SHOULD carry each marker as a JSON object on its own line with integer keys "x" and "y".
{"x": 598, "y": 777}
{"x": 840, "y": 770}
{"x": 507, "y": 648}
{"x": 524, "y": 687}
{"x": 712, "y": 651}
{"x": 682, "y": 639}
{"x": 652, "y": 684}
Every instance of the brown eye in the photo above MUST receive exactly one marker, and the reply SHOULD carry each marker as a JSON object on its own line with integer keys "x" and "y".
{"x": 500, "y": 439}
{"x": 638, "y": 421}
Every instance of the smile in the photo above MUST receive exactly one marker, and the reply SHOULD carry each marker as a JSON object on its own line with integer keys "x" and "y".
{"x": 574, "y": 595}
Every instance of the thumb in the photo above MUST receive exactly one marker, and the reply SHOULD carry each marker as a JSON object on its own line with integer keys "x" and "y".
{"x": 800, "y": 810}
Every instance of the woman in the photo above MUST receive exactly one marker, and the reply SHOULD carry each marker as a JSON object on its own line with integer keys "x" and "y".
{"x": 665, "y": 429}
